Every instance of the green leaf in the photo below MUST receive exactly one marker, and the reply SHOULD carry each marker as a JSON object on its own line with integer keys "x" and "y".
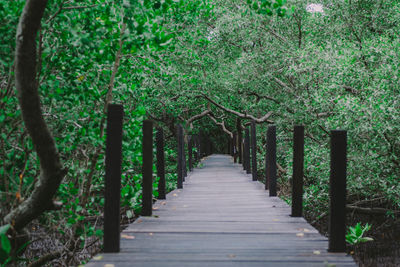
{"x": 366, "y": 239}
{"x": 5, "y": 244}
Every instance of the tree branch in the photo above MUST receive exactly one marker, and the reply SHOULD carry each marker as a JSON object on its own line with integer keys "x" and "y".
{"x": 222, "y": 124}
{"x": 198, "y": 116}
{"x": 52, "y": 171}
{"x": 263, "y": 119}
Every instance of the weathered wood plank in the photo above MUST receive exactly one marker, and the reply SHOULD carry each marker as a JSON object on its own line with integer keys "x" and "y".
{"x": 221, "y": 218}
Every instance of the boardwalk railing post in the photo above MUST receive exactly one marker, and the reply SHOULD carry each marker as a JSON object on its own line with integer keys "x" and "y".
{"x": 180, "y": 156}
{"x": 337, "y": 207}
{"x": 243, "y": 145}
{"x": 271, "y": 160}
{"x": 184, "y": 159}
{"x": 199, "y": 146}
{"x": 112, "y": 194}
{"x": 298, "y": 166}
{"x": 160, "y": 163}
{"x": 253, "y": 150}
{"x": 235, "y": 147}
{"x": 239, "y": 140}
{"x": 232, "y": 139}
{"x": 247, "y": 150}
{"x": 147, "y": 169}
{"x": 190, "y": 152}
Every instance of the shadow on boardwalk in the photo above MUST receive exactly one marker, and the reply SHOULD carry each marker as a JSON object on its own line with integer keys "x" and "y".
{"x": 221, "y": 218}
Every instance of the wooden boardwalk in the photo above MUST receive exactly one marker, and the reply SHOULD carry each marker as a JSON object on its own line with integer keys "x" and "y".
{"x": 221, "y": 218}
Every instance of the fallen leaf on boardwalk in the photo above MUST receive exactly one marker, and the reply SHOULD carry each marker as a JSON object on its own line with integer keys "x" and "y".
{"x": 300, "y": 234}
{"x": 175, "y": 195}
{"x": 109, "y": 265}
{"x": 139, "y": 221}
{"x": 163, "y": 203}
{"x": 155, "y": 208}
{"x": 316, "y": 252}
{"x": 150, "y": 234}
{"x": 306, "y": 230}
{"x": 231, "y": 256}
{"x": 127, "y": 236}
{"x": 97, "y": 258}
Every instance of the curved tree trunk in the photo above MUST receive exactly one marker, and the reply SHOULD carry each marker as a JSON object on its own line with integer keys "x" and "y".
{"x": 52, "y": 171}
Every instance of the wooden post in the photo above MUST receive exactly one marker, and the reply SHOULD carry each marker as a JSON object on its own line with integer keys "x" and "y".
{"x": 239, "y": 143}
{"x": 235, "y": 153}
{"x": 253, "y": 151}
{"x": 160, "y": 163}
{"x": 180, "y": 156}
{"x": 337, "y": 207}
{"x": 244, "y": 163}
{"x": 232, "y": 145}
{"x": 112, "y": 194}
{"x": 184, "y": 159}
{"x": 147, "y": 169}
{"x": 190, "y": 152}
{"x": 298, "y": 166}
{"x": 266, "y": 164}
{"x": 271, "y": 160}
{"x": 247, "y": 150}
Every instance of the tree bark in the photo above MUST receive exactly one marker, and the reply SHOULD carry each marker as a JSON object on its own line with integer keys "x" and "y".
{"x": 52, "y": 171}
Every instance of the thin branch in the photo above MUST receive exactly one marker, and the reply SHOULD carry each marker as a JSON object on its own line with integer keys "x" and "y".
{"x": 241, "y": 115}
{"x": 222, "y": 124}
{"x": 281, "y": 83}
{"x": 77, "y": 7}
{"x": 282, "y": 39}
{"x": 61, "y": 8}
{"x": 198, "y": 116}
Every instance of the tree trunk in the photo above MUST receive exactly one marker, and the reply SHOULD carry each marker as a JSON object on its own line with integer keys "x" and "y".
{"x": 52, "y": 171}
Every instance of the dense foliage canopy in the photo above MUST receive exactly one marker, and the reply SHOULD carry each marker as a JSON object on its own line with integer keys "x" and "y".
{"x": 202, "y": 63}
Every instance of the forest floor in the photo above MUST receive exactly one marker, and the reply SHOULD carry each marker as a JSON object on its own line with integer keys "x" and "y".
{"x": 383, "y": 251}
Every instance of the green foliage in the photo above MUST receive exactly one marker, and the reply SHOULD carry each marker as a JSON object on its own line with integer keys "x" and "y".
{"x": 267, "y": 7}
{"x": 5, "y": 249}
{"x": 355, "y": 235}
{"x": 336, "y": 69}
{"x": 77, "y": 52}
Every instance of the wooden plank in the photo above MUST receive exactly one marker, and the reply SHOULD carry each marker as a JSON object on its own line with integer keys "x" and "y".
{"x": 221, "y": 218}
